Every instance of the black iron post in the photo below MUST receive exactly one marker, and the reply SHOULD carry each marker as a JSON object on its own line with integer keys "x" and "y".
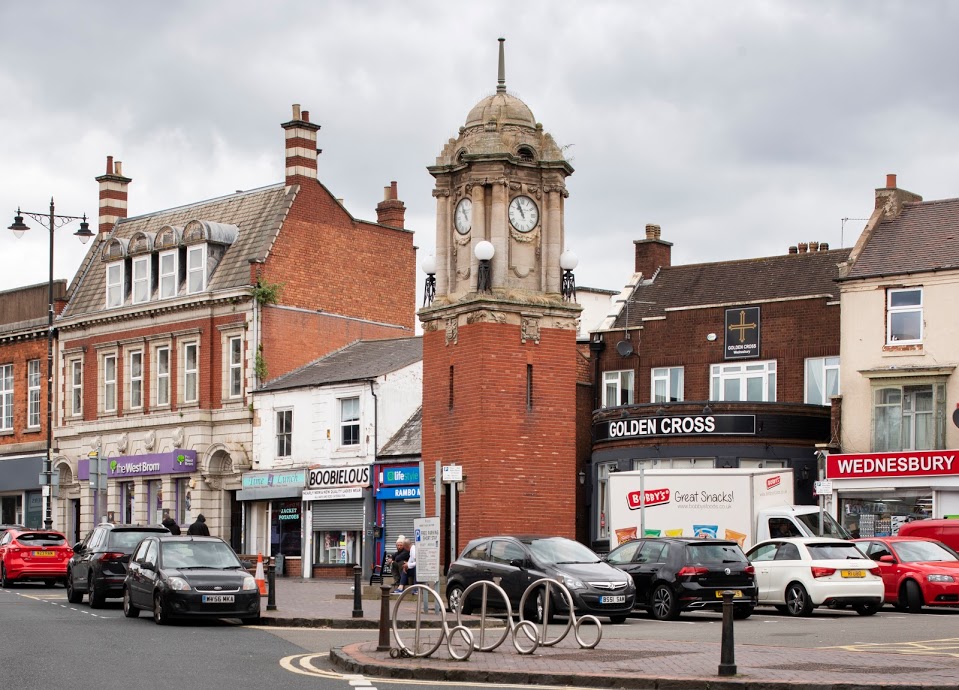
{"x": 727, "y": 657}
{"x": 383, "y": 644}
{"x": 271, "y": 585}
{"x": 357, "y": 591}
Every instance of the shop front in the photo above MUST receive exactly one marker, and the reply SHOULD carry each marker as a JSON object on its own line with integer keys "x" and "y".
{"x": 272, "y": 516}
{"x": 339, "y": 501}
{"x": 397, "y": 492}
{"x": 21, "y": 502}
{"x": 874, "y": 494}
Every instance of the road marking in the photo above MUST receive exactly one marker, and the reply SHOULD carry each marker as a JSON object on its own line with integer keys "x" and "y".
{"x": 943, "y": 647}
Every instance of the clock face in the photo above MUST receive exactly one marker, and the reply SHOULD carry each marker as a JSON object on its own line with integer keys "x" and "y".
{"x": 523, "y": 213}
{"x": 463, "y": 216}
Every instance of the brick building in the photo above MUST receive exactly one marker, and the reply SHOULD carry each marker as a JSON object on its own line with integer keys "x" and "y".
{"x": 176, "y": 315}
{"x": 752, "y": 345}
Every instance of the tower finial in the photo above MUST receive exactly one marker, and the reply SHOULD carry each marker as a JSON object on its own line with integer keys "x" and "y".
{"x": 501, "y": 80}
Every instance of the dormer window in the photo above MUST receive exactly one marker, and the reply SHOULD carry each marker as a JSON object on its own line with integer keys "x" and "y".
{"x": 141, "y": 279}
{"x": 525, "y": 154}
{"x": 168, "y": 274}
{"x": 115, "y": 284}
{"x": 196, "y": 269}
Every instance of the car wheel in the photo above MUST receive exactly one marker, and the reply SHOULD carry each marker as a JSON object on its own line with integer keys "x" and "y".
{"x": 159, "y": 614}
{"x": 616, "y": 620}
{"x": 741, "y": 613}
{"x": 798, "y": 602}
{"x": 73, "y": 596}
{"x": 454, "y": 596}
{"x": 4, "y": 580}
{"x": 912, "y": 595}
{"x": 541, "y": 606}
{"x": 129, "y": 610}
{"x": 663, "y": 605}
{"x": 867, "y": 609}
{"x": 98, "y": 598}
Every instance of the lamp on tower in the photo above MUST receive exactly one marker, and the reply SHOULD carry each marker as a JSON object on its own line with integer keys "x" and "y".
{"x": 484, "y": 253}
{"x": 568, "y": 261}
{"x": 429, "y": 268}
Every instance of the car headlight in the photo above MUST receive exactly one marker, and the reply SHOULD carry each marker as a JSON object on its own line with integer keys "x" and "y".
{"x": 573, "y": 583}
{"x": 178, "y": 584}
{"x": 249, "y": 583}
{"x": 940, "y": 578}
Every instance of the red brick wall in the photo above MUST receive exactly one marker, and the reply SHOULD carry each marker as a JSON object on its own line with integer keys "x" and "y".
{"x": 19, "y": 353}
{"x": 293, "y": 338}
{"x": 519, "y": 466}
{"x": 791, "y": 332}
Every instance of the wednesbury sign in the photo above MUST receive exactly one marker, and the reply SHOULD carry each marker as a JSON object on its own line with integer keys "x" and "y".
{"x": 906, "y": 463}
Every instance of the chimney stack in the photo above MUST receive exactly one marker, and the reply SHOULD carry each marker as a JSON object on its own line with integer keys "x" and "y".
{"x": 391, "y": 211}
{"x": 300, "y": 147}
{"x": 891, "y": 199}
{"x": 113, "y": 196}
{"x": 652, "y": 253}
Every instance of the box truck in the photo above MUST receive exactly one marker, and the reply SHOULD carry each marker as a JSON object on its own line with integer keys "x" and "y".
{"x": 748, "y": 505}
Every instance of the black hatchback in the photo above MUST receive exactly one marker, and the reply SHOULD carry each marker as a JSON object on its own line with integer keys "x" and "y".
{"x": 677, "y": 574}
{"x": 99, "y": 562}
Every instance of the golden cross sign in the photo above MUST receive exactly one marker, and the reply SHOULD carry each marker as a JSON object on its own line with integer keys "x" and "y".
{"x": 741, "y": 326}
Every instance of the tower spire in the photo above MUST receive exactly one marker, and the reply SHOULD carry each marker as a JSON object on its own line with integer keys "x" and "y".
{"x": 501, "y": 74}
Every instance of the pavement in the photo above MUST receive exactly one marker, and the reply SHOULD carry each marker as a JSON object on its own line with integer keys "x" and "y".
{"x": 613, "y": 663}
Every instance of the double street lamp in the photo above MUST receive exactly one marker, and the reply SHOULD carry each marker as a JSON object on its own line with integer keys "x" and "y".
{"x": 53, "y": 221}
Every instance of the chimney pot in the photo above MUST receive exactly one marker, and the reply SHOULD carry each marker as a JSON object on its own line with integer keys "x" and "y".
{"x": 296, "y": 111}
{"x": 109, "y": 165}
{"x": 794, "y": 250}
{"x": 890, "y": 181}
{"x": 803, "y": 247}
{"x": 393, "y": 191}
{"x": 824, "y": 246}
{"x": 306, "y": 116}
{"x": 386, "y": 194}
{"x": 814, "y": 246}
{"x": 653, "y": 232}
{"x": 118, "y": 168}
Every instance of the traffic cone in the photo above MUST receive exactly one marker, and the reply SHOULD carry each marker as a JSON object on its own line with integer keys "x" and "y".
{"x": 260, "y": 579}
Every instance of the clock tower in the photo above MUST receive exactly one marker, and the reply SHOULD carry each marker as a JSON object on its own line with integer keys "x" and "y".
{"x": 499, "y": 342}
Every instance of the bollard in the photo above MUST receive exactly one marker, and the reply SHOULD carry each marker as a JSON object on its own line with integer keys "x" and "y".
{"x": 727, "y": 655}
{"x": 271, "y": 585}
{"x": 383, "y": 645}
{"x": 357, "y": 591}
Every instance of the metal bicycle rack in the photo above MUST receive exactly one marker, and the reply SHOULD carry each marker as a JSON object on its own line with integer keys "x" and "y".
{"x": 532, "y": 636}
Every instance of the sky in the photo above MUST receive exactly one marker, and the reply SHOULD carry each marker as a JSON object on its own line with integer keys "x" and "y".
{"x": 740, "y": 128}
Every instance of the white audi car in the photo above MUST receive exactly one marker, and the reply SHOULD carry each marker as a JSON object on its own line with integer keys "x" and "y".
{"x": 797, "y": 574}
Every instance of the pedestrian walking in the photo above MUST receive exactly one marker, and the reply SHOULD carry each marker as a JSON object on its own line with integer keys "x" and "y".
{"x": 171, "y": 525}
{"x": 199, "y": 527}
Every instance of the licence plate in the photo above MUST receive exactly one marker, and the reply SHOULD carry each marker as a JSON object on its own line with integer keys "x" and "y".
{"x": 854, "y": 573}
{"x": 217, "y": 598}
{"x": 737, "y": 593}
{"x": 613, "y": 599}
{"x": 44, "y": 554}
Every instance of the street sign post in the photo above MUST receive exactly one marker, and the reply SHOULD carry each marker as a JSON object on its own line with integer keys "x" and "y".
{"x": 427, "y": 540}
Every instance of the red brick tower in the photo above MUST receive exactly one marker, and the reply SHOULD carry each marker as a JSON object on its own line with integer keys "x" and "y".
{"x": 499, "y": 343}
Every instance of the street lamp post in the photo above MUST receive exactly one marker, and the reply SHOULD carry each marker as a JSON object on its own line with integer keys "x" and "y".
{"x": 53, "y": 221}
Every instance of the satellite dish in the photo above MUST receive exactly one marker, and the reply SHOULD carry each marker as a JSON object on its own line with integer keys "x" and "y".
{"x": 624, "y": 348}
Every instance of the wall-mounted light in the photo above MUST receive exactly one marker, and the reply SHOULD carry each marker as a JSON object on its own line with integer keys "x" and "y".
{"x": 568, "y": 261}
{"x": 484, "y": 252}
{"x": 429, "y": 268}
{"x": 804, "y": 473}
{"x": 582, "y": 477}
{"x": 707, "y": 409}
{"x": 711, "y": 337}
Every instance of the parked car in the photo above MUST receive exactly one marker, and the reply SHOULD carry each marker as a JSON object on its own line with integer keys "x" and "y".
{"x": 596, "y": 587}
{"x": 189, "y": 576}
{"x": 916, "y": 572}
{"x": 945, "y": 531}
{"x": 4, "y": 528}
{"x": 99, "y": 563}
{"x": 33, "y": 554}
{"x": 676, "y": 574}
{"x": 798, "y": 574}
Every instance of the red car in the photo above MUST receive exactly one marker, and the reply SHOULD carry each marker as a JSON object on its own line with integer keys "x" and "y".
{"x": 917, "y": 572}
{"x": 33, "y": 554}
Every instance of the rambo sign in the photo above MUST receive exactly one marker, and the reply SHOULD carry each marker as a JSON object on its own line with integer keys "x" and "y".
{"x": 677, "y": 425}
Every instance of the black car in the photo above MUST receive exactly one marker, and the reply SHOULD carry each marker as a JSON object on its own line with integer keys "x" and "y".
{"x": 99, "y": 563}
{"x": 189, "y": 576}
{"x": 515, "y": 562}
{"x": 673, "y": 575}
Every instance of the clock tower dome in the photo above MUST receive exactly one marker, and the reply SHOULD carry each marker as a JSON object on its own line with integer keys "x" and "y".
{"x": 499, "y": 343}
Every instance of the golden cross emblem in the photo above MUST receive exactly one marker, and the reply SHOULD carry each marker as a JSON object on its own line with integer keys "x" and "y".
{"x": 741, "y": 326}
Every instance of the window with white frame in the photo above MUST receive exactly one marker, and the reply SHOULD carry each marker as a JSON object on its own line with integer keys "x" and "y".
{"x": 909, "y": 417}
{"x": 76, "y": 388}
{"x": 141, "y": 279}
{"x": 109, "y": 383}
{"x": 136, "y": 380}
{"x": 603, "y": 470}
{"x": 755, "y": 381}
{"x": 284, "y": 433}
{"x": 673, "y": 463}
{"x": 191, "y": 372}
{"x": 903, "y": 316}
{"x": 168, "y": 274}
{"x": 196, "y": 269}
{"x": 6, "y": 397}
{"x": 236, "y": 366}
{"x": 115, "y": 284}
{"x": 667, "y": 384}
{"x": 162, "y": 368}
{"x": 822, "y": 380}
{"x": 349, "y": 421}
{"x": 33, "y": 393}
{"x": 617, "y": 388}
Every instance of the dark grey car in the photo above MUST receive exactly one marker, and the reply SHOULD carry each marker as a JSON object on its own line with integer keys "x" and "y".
{"x": 99, "y": 563}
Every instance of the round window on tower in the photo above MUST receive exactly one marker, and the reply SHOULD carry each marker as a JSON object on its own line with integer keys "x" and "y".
{"x": 525, "y": 154}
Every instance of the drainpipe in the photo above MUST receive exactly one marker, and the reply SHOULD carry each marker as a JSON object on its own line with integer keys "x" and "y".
{"x": 370, "y": 556}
